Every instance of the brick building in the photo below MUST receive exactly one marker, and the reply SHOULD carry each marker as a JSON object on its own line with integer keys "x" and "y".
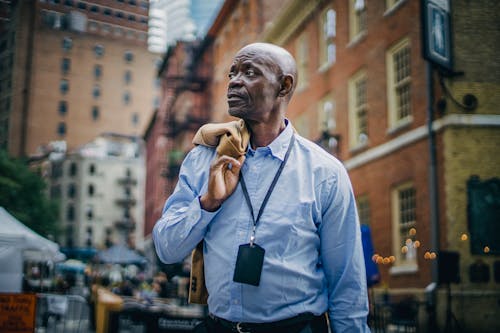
{"x": 72, "y": 70}
{"x": 363, "y": 93}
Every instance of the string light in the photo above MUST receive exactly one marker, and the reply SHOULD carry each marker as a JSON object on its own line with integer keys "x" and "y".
{"x": 486, "y": 249}
{"x": 464, "y": 237}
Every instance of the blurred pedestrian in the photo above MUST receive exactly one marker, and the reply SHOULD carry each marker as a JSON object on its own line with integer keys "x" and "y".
{"x": 278, "y": 218}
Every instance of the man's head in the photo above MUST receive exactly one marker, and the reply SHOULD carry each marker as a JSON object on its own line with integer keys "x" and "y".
{"x": 262, "y": 79}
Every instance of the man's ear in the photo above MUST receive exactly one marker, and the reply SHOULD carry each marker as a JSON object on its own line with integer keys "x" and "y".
{"x": 286, "y": 85}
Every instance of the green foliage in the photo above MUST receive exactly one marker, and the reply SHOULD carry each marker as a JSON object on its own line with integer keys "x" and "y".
{"x": 22, "y": 194}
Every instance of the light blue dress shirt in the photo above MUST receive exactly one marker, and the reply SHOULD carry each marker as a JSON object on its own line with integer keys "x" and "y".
{"x": 309, "y": 230}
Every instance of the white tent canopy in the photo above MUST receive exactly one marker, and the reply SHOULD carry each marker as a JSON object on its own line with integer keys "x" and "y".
{"x": 18, "y": 243}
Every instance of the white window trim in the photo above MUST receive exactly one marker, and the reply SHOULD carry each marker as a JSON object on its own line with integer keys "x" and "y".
{"x": 354, "y": 142}
{"x": 399, "y": 266}
{"x": 393, "y": 122}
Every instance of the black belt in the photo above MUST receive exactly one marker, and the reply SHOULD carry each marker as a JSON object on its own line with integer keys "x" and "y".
{"x": 242, "y": 327}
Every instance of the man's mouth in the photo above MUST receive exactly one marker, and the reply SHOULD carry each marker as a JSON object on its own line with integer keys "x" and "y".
{"x": 233, "y": 95}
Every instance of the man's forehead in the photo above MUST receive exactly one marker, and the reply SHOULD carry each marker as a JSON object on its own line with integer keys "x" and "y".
{"x": 257, "y": 57}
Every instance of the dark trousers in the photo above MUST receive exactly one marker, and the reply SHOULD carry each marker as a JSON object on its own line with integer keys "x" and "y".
{"x": 300, "y": 324}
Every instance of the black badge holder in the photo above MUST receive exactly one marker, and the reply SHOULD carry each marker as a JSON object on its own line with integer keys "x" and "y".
{"x": 249, "y": 264}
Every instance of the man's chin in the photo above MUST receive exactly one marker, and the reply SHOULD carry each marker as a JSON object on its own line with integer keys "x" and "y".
{"x": 236, "y": 112}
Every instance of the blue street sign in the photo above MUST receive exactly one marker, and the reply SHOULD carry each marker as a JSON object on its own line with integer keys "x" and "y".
{"x": 436, "y": 33}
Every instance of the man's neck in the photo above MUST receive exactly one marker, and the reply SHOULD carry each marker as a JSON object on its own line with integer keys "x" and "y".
{"x": 263, "y": 134}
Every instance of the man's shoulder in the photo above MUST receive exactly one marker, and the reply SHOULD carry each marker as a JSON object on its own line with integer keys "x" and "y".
{"x": 319, "y": 156}
{"x": 199, "y": 156}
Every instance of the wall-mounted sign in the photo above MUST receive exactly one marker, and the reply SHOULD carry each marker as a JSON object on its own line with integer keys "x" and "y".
{"x": 17, "y": 313}
{"x": 436, "y": 32}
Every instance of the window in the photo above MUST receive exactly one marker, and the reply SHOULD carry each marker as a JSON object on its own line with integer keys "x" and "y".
{"x": 97, "y": 71}
{"x": 95, "y": 113}
{"x": 127, "y": 77}
{"x": 61, "y": 129}
{"x": 92, "y": 169}
{"x": 94, "y": 9}
{"x": 135, "y": 119}
{"x": 91, "y": 190}
{"x": 82, "y": 5}
{"x": 358, "y": 110}
{"x": 71, "y": 191}
{"x": 96, "y": 91}
{"x": 65, "y": 66}
{"x": 90, "y": 213}
{"x": 128, "y": 56}
{"x": 405, "y": 243}
{"x": 302, "y": 61}
{"x": 107, "y": 12}
{"x": 126, "y": 98}
{"x": 119, "y": 15}
{"x": 328, "y": 32}
{"x": 73, "y": 169}
{"x": 63, "y": 108}
{"x": 64, "y": 86}
{"x": 70, "y": 213}
{"x": 357, "y": 18}
{"x": 363, "y": 209}
{"x": 68, "y": 3}
{"x": 98, "y": 50}
{"x": 131, "y": 18}
{"x": 399, "y": 84}
{"x": 326, "y": 115}
{"x": 67, "y": 43}
{"x": 93, "y": 26}
{"x": 118, "y": 31}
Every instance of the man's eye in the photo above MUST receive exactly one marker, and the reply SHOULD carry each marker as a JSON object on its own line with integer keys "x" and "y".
{"x": 231, "y": 75}
{"x": 250, "y": 72}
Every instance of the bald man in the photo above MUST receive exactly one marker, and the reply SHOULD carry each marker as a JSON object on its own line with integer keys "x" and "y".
{"x": 282, "y": 242}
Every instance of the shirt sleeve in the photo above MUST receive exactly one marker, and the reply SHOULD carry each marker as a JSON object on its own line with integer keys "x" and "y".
{"x": 342, "y": 256}
{"x": 183, "y": 222}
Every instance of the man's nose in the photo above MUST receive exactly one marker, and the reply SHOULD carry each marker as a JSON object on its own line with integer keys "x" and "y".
{"x": 235, "y": 80}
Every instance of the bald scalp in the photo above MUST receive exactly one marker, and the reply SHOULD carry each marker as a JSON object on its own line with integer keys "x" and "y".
{"x": 278, "y": 56}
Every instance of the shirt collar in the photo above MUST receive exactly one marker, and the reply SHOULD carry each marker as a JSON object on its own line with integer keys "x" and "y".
{"x": 279, "y": 146}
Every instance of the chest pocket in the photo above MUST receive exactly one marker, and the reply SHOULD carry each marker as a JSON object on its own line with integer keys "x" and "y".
{"x": 287, "y": 229}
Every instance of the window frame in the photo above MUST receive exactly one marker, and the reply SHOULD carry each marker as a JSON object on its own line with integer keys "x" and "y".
{"x": 401, "y": 231}
{"x": 302, "y": 60}
{"x": 393, "y": 84}
{"x": 327, "y": 38}
{"x": 357, "y": 21}
{"x": 356, "y": 138}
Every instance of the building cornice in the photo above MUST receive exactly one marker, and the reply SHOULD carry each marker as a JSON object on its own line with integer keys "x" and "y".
{"x": 289, "y": 20}
{"x": 452, "y": 120}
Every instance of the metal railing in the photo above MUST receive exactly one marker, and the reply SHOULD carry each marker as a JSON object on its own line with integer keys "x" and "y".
{"x": 61, "y": 313}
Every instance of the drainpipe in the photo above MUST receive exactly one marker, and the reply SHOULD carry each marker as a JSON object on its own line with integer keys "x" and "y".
{"x": 433, "y": 181}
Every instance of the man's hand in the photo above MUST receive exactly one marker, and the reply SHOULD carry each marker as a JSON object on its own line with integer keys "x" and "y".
{"x": 222, "y": 181}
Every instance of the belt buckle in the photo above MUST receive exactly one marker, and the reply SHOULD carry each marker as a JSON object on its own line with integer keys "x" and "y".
{"x": 240, "y": 329}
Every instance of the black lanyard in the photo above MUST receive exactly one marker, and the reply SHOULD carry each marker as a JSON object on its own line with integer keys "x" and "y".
{"x": 271, "y": 188}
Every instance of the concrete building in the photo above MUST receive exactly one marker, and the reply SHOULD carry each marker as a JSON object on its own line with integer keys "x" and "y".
{"x": 100, "y": 187}
{"x": 419, "y": 142}
{"x": 179, "y": 20}
{"x": 74, "y": 69}
{"x": 157, "y": 26}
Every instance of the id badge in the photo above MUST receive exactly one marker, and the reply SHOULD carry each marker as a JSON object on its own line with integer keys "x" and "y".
{"x": 249, "y": 264}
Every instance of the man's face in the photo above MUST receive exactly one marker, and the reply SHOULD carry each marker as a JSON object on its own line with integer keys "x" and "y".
{"x": 254, "y": 84}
